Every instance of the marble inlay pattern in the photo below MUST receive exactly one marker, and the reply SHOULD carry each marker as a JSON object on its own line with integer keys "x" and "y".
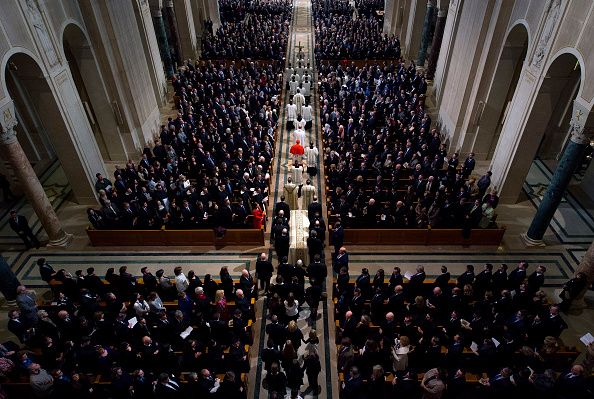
{"x": 572, "y": 223}
{"x": 57, "y": 189}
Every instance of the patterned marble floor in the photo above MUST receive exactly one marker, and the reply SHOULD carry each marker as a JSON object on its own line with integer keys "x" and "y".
{"x": 57, "y": 189}
{"x": 573, "y": 222}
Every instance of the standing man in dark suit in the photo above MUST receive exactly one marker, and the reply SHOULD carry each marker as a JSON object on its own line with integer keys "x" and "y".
{"x": 415, "y": 284}
{"x": 536, "y": 279}
{"x": 337, "y": 237}
{"x": 283, "y": 206}
{"x": 443, "y": 280}
{"x": 314, "y": 208}
{"x": 342, "y": 260}
{"x": 19, "y": 224}
{"x": 517, "y": 276}
{"x": 264, "y": 271}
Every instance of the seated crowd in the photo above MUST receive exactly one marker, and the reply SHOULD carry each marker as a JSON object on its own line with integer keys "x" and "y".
{"x": 259, "y": 30}
{"x": 124, "y": 339}
{"x": 369, "y": 8}
{"x": 385, "y": 165}
{"x": 210, "y": 166}
{"x": 340, "y": 36}
{"x": 490, "y": 335}
{"x": 237, "y": 10}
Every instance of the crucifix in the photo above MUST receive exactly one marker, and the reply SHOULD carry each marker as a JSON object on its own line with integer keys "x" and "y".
{"x": 578, "y": 114}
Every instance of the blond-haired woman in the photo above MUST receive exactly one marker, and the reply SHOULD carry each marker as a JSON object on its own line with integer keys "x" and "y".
{"x": 400, "y": 354}
{"x": 294, "y": 335}
{"x": 221, "y": 305}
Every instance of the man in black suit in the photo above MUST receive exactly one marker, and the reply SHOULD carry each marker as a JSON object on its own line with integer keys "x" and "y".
{"x": 341, "y": 260}
{"x": 467, "y": 277}
{"x": 166, "y": 388}
{"x": 16, "y": 326}
{"x": 264, "y": 271}
{"x": 554, "y": 323}
{"x": 19, "y": 224}
{"x": 276, "y": 332}
{"x": 317, "y": 271}
{"x": 536, "y": 279}
{"x": 443, "y": 280}
{"x": 314, "y": 245}
{"x": 500, "y": 279}
{"x": 572, "y": 384}
{"x": 517, "y": 276}
{"x": 314, "y": 208}
{"x": 282, "y": 243}
{"x": 415, "y": 284}
{"x": 283, "y": 206}
{"x": 353, "y": 387}
{"x": 337, "y": 237}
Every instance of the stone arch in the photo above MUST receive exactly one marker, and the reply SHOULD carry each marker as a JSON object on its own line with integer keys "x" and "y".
{"x": 89, "y": 82}
{"x": 564, "y": 78}
{"x": 55, "y": 102}
{"x": 503, "y": 86}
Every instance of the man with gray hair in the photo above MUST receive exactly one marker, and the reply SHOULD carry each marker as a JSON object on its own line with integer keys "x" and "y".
{"x": 41, "y": 382}
{"x": 264, "y": 271}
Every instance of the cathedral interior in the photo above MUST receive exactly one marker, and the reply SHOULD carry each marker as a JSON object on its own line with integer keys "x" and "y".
{"x": 296, "y": 198}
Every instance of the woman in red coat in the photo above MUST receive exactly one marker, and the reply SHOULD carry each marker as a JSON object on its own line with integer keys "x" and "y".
{"x": 259, "y": 216}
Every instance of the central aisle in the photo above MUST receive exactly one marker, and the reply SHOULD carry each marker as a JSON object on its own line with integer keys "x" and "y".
{"x": 301, "y": 42}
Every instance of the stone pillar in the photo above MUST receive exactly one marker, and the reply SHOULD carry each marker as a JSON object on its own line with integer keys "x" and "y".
{"x": 426, "y": 32}
{"x": 586, "y": 266}
{"x": 567, "y": 165}
{"x": 171, "y": 25}
{"x": 390, "y": 9}
{"x": 14, "y": 154}
{"x": 162, "y": 40}
{"x": 442, "y": 15}
{"x": 414, "y": 29}
{"x": 214, "y": 14}
{"x": 186, "y": 27}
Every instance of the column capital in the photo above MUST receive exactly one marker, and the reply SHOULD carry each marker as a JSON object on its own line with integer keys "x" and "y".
{"x": 155, "y": 7}
{"x": 7, "y": 123}
{"x": 577, "y": 123}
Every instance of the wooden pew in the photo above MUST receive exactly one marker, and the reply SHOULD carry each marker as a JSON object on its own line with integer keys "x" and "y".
{"x": 169, "y": 237}
{"x": 429, "y": 236}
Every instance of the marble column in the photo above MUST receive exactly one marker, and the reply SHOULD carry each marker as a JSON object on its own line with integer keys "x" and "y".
{"x": 567, "y": 165}
{"x": 162, "y": 40}
{"x": 14, "y": 154}
{"x": 426, "y": 32}
{"x": 214, "y": 13}
{"x": 586, "y": 266}
{"x": 442, "y": 15}
{"x": 414, "y": 28}
{"x": 171, "y": 25}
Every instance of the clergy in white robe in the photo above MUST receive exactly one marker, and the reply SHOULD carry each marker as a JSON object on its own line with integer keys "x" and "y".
{"x": 308, "y": 192}
{"x": 307, "y": 115}
{"x": 306, "y": 87}
{"x": 293, "y": 85}
{"x": 291, "y": 194}
{"x": 291, "y": 113}
{"x": 299, "y": 134}
{"x": 297, "y": 174}
{"x": 299, "y": 101}
{"x": 311, "y": 158}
